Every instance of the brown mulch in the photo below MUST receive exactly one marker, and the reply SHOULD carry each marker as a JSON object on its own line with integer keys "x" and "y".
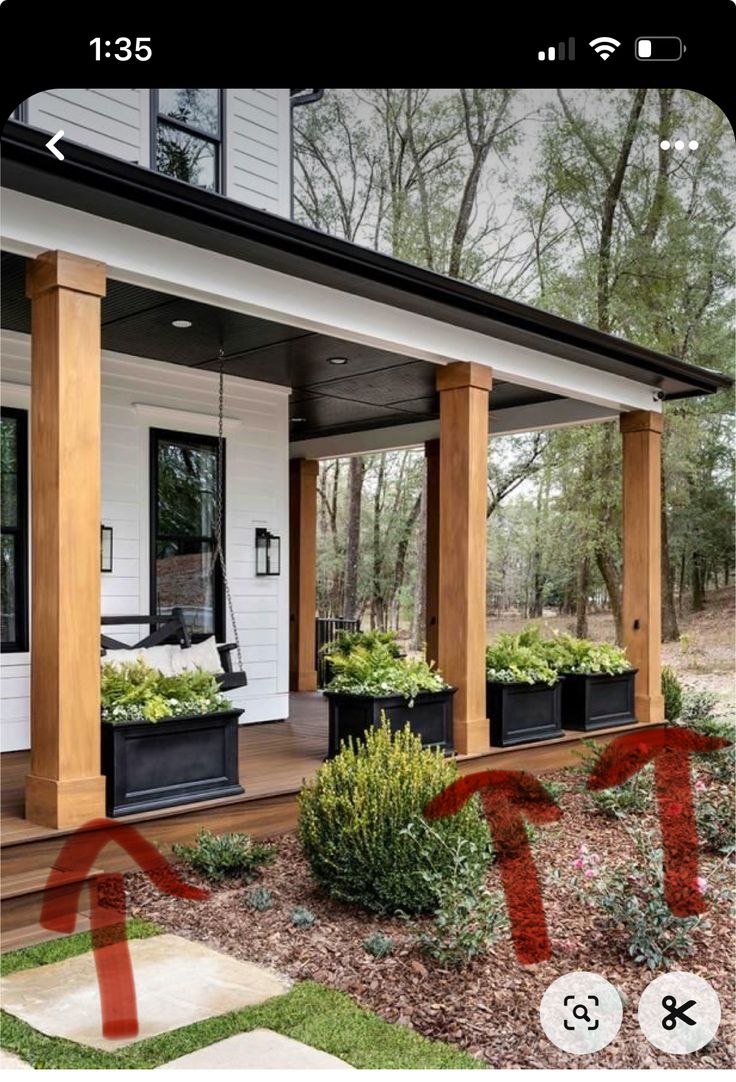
{"x": 491, "y": 1007}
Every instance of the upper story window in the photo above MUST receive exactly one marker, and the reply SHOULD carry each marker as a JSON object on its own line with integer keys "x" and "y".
{"x": 14, "y": 533}
{"x": 187, "y": 136}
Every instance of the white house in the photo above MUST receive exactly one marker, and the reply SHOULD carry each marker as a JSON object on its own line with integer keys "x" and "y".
{"x": 160, "y": 248}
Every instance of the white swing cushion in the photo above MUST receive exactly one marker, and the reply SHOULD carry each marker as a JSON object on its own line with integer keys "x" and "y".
{"x": 161, "y": 658}
{"x": 201, "y": 655}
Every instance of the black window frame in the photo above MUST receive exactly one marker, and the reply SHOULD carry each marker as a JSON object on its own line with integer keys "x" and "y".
{"x": 218, "y": 141}
{"x": 194, "y": 439}
{"x": 20, "y": 645}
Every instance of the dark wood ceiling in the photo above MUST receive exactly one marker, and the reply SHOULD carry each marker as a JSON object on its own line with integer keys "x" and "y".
{"x": 374, "y": 389}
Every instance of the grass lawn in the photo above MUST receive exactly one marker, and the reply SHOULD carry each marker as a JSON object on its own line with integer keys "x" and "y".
{"x": 318, "y": 1016}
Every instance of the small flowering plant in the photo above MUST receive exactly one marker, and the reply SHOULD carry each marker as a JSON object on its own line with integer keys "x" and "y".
{"x": 134, "y": 691}
{"x": 632, "y": 901}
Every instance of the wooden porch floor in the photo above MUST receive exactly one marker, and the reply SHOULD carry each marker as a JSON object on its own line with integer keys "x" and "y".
{"x": 275, "y": 759}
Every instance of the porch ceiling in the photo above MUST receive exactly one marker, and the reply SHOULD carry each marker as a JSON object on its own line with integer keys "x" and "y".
{"x": 374, "y": 390}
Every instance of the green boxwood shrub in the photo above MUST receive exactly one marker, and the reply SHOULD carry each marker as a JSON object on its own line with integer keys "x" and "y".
{"x": 672, "y": 692}
{"x": 354, "y": 821}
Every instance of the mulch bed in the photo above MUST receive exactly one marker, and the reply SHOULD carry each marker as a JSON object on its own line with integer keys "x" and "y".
{"x": 490, "y": 1008}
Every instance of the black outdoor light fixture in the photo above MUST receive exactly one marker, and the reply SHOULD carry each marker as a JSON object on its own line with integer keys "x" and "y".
{"x": 268, "y": 552}
{"x": 106, "y": 548}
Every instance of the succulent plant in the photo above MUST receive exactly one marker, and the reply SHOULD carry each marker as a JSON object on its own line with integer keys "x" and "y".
{"x": 301, "y": 917}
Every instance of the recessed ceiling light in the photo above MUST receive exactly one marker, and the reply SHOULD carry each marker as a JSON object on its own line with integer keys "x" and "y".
{"x": 337, "y": 360}
{"x": 183, "y": 323}
{"x": 298, "y": 420}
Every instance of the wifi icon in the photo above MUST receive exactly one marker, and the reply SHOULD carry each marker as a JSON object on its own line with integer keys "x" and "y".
{"x": 605, "y": 47}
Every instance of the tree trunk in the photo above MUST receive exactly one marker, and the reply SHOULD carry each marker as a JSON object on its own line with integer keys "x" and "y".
{"x": 697, "y": 579}
{"x": 352, "y": 552}
{"x": 681, "y": 589}
{"x": 612, "y": 578}
{"x": 670, "y": 629}
{"x": 581, "y": 599}
{"x": 419, "y": 623}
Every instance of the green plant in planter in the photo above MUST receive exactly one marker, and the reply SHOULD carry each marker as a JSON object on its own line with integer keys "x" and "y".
{"x": 518, "y": 659}
{"x": 347, "y": 641}
{"x": 353, "y": 818}
{"x": 377, "y": 671}
{"x": 568, "y": 655}
{"x": 134, "y": 691}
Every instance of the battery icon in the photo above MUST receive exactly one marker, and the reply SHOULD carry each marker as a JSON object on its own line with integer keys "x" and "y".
{"x": 659, "y": 48}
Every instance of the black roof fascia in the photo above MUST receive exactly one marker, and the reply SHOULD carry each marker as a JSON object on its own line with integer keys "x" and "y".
{"x": 138, "y": 196}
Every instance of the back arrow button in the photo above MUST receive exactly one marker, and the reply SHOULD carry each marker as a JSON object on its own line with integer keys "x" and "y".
{"x": 53, "y": 147}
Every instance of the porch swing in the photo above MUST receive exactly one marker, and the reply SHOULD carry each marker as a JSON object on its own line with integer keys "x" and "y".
{"x": 173, "y": 626}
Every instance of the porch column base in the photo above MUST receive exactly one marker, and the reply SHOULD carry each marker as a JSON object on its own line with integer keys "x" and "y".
{"x": 304, "y": 681}
{"x": 649, "y": 707}
{"x": 51, "y": 802}
{"x": 471, "y": 737}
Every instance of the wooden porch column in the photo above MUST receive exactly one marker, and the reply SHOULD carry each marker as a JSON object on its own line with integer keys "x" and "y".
{"x": 302, "y": 574}
{"x": 642, "y": 557}
{"x": 464, "y": 390}
{"x": 65, "y": 787}
{"x": 432, "y": 586}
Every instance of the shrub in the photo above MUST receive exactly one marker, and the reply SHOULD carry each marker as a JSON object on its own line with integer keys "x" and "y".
{"x": 632, "y": 899}
{"x": 134, "y": 691}
{"x": 259, "y": 898}
{"x": 347, "y": 641}
{"x": 714, "y": 815}
{"x": 377, "y": 671}
{"x": 518, "y": 659}
{"x": 672, "y": 692}
{"x": 632, "y": 797}
{"x": 379, "y": 945}
{"x": 699, "y": 714}
{"x": 468, "y": 917}
{"x": 301, "y": 917}
{"x": 354, "y": 814}
{"x": 221, "y": 856}
{"x": 697, "y": 706}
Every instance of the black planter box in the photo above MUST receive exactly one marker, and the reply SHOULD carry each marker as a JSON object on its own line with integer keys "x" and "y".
{"x": 597, "y": 700}
{"x": 430, "y": 717}
{"x": 523, "y": 713}
{"x": 174, "y": 761}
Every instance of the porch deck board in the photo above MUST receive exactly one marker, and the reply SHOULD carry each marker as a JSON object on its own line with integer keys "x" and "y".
{"x": 275, "y": 759}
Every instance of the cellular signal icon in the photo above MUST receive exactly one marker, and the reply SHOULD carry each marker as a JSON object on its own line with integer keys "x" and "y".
{"x": 605, "y": 47}
{"x": 561, "y": 51}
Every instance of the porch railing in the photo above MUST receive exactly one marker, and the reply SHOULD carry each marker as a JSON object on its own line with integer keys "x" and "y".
{"x": 327, "y": 629}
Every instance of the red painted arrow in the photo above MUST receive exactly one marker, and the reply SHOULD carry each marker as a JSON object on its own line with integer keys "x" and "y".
{"x": 118, "y": 1002}
{"x": 670, "y": 750}
{"x": 509, "y": 796}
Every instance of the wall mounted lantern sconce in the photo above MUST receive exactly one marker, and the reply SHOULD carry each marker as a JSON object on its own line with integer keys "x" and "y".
{"x": 268, "y": 552}
{"x": 106, "y": 549}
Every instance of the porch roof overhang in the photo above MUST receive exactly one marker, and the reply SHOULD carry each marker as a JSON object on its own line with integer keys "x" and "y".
{"x": 545, "y": 366}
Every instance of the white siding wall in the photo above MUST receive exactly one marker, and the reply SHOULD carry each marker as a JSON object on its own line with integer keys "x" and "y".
{"x": 117, "y": 122}
{"x": 138, "y": 395}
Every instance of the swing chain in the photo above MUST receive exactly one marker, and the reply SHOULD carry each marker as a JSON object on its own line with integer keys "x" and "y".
{"x": 219, "y": 553}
